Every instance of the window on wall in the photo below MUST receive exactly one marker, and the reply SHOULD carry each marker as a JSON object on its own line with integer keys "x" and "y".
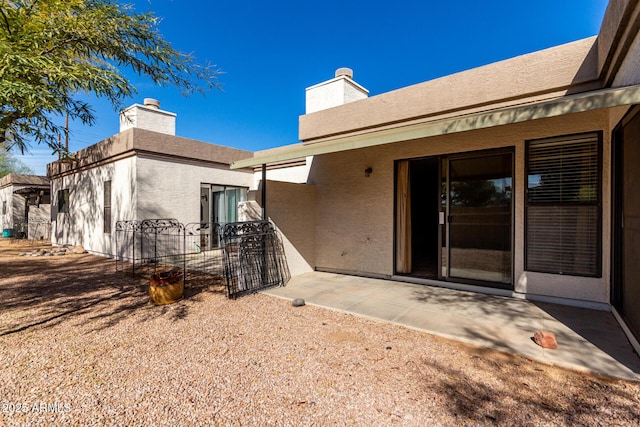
{"x": 107, "y": 207}
{"x": 4, "y": 207}
{"x": 63, "y": 201}
{"x": 563, "y": 205}
{"x": 225, "y": 202}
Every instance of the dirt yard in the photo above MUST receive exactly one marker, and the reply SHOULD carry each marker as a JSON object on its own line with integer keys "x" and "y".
{"x": 81, "y": 345}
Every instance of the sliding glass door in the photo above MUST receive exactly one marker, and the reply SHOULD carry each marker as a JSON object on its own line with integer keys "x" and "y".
{"x": 454, "y": 218}
{"x": 479, "y": 216}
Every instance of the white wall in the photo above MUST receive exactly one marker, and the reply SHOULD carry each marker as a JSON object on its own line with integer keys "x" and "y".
{"x": 143, "y": 187}
{"x": 15, "y": 209}
{"x": 337, "y": 91}
{"x": 171, "y": 189}
{"x": 6, "y": 195}
{"x": 298, "y": 174}
{"x": 84, "y": 224}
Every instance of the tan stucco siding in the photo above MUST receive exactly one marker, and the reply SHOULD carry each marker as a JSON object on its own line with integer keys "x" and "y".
{"x": 355, "y": 224}
{"x": 617, "y": 41}
{"x": 292, "y": 208}
{"x": 171, "y": 189}
{"x": 558, "y": 70}
{"x": 629, "y": 72}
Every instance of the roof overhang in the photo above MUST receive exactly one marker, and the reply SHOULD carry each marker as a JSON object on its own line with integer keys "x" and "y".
{"x": 577, "y": 103}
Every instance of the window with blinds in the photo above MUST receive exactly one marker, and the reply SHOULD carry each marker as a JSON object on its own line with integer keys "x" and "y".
{"x": 563, "y": 224}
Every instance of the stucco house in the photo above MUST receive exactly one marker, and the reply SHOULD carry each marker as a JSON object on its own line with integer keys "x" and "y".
{"x": 517, "y": 178}
{"x": 143, "y": 172}
{"x": 25, "y": 204}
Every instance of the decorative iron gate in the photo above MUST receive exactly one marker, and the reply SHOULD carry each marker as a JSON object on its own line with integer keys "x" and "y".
{"x": 151, "y": 245}
{"x": 253, "y": 257}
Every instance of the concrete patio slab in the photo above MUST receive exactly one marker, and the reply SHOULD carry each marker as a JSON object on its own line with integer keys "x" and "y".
{"x": 588, "y": 340}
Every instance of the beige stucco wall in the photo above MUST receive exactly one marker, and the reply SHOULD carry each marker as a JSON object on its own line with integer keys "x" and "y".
{"x": 521, "y": 79}
{"x": 629, "y": 72}
{"x": 617, "y": 42}
{"x": 354, "y": 217}
{"x": 83, "y": 225}
{"x": 292, "y": 208}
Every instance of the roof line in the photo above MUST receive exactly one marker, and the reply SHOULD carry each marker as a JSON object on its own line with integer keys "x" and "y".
{"x": 577, "y": 103}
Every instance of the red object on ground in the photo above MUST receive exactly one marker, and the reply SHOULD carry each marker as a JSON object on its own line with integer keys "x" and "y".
{"x": 545, "y": 339}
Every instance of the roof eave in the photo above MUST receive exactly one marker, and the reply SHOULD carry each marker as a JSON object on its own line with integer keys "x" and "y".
{"x": 587, "y": 101}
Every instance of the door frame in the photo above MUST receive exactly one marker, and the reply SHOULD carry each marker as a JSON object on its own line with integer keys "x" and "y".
{"x": 457, "y": 156}
{"x": 617, "y": 199}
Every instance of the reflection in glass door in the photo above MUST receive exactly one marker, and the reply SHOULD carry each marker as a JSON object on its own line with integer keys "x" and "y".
{"x": 479, "y": 218}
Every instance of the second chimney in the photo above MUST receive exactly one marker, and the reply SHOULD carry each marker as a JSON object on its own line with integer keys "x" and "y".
{"x": 337, "y": 91}
{"x": 149, "y": 117}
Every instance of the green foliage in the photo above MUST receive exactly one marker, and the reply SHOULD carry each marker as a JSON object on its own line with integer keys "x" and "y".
{"x": 9, "y": 164}
{"x": 53, "y": 50}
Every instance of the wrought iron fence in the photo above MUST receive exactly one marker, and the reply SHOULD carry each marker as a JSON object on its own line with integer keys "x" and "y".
{"x": 150, "y": 246}
{"x": 155, "y": 246}
{"x": 254, "y": 257}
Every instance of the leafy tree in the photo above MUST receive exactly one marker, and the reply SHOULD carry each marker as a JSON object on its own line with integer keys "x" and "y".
{"x": 9, "y": 164}
{"x": 53, "y": 50}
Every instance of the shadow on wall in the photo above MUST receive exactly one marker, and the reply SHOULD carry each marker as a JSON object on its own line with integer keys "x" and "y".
{"x": 292, "y": 208}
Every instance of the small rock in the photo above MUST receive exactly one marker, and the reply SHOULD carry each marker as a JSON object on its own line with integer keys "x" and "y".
{"x": 388, "y": 347}
{"x": 298, "y": 302}
{"x": 22, "y": 254}
{"x": 545, "y": 339}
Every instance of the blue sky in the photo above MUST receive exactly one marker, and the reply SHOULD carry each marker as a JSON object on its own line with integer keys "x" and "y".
{"x": 271, "y": 51}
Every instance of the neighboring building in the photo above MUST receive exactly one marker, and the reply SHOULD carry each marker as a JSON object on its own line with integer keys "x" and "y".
{"x": 144, "y": 172}
{"x": 25, "y": 206}
{"x": 516, "y": 178}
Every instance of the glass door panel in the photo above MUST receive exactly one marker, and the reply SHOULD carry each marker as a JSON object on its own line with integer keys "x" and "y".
{"x": 480, "y": 218}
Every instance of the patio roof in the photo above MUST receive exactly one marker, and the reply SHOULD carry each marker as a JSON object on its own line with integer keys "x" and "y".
{"x": 577, "y": 103}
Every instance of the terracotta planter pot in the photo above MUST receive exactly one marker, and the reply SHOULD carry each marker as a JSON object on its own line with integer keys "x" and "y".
{"x": 166, "y": 288}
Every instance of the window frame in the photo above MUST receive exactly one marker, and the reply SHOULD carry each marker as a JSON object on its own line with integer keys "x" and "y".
{"x": 597, "y": 204}
{"x": 106, "y": 207}
{"x": 63, "y": 200}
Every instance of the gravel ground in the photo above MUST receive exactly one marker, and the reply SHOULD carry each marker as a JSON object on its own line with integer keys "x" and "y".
{"x": 81, "y": 345}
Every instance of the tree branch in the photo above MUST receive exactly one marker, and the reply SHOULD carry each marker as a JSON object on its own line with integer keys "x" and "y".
{"x": 6, "y": 21}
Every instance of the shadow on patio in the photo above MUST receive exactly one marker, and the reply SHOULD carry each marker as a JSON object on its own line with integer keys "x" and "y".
{"x": 589, "y": 340}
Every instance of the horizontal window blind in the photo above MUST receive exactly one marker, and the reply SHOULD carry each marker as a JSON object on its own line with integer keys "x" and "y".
{"x": 563, "y": 205}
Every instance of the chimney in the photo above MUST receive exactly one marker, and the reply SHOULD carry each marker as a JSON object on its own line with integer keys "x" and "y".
{"x": 337, "y": 91}
{"x": 149, "y": 117}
